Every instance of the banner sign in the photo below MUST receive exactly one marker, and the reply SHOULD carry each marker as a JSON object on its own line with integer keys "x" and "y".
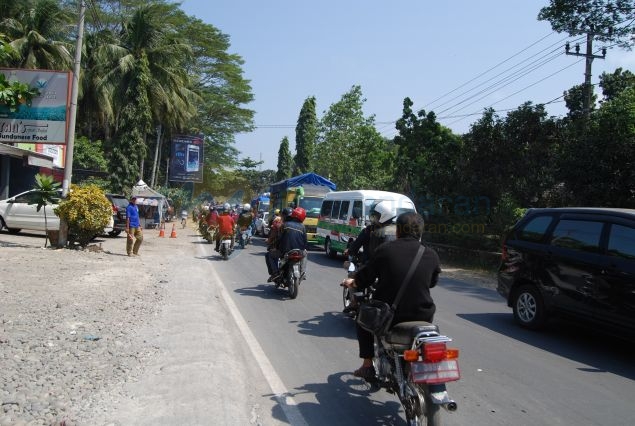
{"x": 45, "y": 121}
{"x": 186, "y": 164}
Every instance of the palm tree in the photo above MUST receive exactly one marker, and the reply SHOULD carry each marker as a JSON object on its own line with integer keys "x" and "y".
{"x": 46, "y": 190}
{"x": 149, "y": 85}
{"x": 36, "y": 31}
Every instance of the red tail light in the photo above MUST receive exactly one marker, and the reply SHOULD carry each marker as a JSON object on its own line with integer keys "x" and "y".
{"x": 115, "y": 209}
{"x": 433, "y": 352}
{"x": 504, "y": 256}
{"x": 296, "y": 257}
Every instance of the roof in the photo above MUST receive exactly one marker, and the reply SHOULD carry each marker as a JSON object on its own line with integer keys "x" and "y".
{"x": 33, "y": 158}
{"x": 141, "y": 189}
{"x": 307, "y": 178}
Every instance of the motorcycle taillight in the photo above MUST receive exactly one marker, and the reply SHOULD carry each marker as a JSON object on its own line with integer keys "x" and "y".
{"x": 433, "y": 352}
{"x": 295, "y": 257}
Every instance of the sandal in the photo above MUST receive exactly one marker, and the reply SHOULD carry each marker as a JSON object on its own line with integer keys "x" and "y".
{"x": 366, "y": 373}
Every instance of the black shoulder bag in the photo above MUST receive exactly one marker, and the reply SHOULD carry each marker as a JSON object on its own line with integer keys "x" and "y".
{"x": 376, "y": 316}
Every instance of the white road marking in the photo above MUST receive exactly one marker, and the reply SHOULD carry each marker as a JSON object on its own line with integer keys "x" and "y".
{"x": 287, "y": 403}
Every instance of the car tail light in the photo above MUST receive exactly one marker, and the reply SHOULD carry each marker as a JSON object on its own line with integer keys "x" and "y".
{"x": 504, "y": 255}
{"x": 115, "y": 209}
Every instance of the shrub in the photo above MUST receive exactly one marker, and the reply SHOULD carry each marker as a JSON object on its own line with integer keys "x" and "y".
{"x": 87, "y": 212}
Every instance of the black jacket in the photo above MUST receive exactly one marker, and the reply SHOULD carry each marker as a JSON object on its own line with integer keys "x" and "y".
{"x": 292, "y": 236}
{"x": 370, "y": 238}
{"x": 389, "y": 264}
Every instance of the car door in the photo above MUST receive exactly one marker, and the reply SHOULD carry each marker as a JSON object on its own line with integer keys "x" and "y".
{"x": 616, "y": 294}
{"x": 573, "y": 264}
{"x": 20, "y": 214}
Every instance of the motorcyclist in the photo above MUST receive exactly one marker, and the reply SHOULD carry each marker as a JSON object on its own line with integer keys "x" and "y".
{"x": 226, "y": 226}
{"x": 292, "y": 235}
{"x": 380, "y": 230}
{"x": 245, "y": 219}
{"x": 389, "y": 264}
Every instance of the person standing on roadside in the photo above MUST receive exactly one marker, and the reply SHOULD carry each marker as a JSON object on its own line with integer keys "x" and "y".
{"x": 134, "y": 235}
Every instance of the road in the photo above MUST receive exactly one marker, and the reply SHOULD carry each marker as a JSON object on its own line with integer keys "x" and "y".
{"x": 232, "y": 349}
{"x": 562, "y": 376}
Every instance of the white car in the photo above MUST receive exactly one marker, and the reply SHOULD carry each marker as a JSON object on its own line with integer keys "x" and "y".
{"x": 16, "y": 214}
{"x": 262, "y": 224}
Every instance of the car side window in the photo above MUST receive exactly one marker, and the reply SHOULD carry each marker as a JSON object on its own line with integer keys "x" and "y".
{"x": 535, "y": 229}
{"x": 622, "y": 241}
{"x": 582, "y": 235}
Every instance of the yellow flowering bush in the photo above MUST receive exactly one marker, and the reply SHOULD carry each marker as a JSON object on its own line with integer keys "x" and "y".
{"x": 87, "y": 212}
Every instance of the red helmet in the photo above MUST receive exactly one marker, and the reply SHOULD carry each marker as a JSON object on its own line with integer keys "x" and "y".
{"x": 298, "y": 214}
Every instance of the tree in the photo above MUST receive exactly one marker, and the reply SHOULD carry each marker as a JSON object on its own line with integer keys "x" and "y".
{"x": 35, "y": 30}
{"x": 46, "y": 193}
{"x": 89, "y": 155}
{"x": 305, "y": 137}
{"x": 574, "y": 100}
{"x": 604, "y": 18}
{"x": 614, "y": 84}
{"x": 148, "y": 84}
{"x": 350, "y": 151}
{"x": 285, "y": 162}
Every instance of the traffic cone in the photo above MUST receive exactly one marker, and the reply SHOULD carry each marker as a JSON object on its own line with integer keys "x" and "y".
{"x": 173, "y": 233}
{"x": 162, "y": 230}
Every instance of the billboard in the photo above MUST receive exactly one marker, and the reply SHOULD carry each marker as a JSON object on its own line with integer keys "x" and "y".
{"x": 45, "y": 121}
{"x": 186, "y": 163}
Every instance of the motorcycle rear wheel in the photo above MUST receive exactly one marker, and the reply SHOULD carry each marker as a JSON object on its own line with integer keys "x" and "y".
{"x": 428, "y": 413}
{"x": 293, "y": 285}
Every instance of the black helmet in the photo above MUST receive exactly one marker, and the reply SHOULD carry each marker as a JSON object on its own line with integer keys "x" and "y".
{"x": 286, "y": 212}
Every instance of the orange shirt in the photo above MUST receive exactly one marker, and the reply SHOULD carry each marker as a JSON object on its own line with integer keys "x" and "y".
{"x": 226, "y": 224}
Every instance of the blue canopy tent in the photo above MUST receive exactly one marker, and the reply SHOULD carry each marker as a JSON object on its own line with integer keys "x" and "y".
{"x": 305, "y": 179}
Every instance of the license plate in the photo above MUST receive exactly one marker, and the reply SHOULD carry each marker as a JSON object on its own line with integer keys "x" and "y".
{"x": 226, "y": 241}
{"x": 435, "y": 372}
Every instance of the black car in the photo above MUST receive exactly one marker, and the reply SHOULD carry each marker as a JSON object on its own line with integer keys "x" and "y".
{"x": 119, "y": 204}
{"x": 577, "y": 262}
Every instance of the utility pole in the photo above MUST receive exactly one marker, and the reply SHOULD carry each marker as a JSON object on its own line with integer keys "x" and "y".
{"x": 156, "y": 156}
{"x": 70, "y": 141}
{"x": 588, "y": 88}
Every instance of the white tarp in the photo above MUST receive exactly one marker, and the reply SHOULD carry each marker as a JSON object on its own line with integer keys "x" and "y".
{"x": 151, "y": 204}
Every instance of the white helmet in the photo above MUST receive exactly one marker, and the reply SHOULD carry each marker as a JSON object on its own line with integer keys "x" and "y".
{"x": 226, "y": 207}
{"x": 247, "y": 207}
{"x": 383, "y": 210}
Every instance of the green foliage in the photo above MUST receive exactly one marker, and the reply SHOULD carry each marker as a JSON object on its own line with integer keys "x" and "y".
{"x": 46, "y": 190}
{"x": 87, "y": 212}
{"x": 89, "y": 155}
{"x": 614, "y": 84}
{"x": 285, "y": 162}
{"x": 577, "y": 17}
{"x": 179, "y": 196}
{"x": 350, "y": 147}
{"x": 305, "y": 137}
{"x": 14, "y": 93}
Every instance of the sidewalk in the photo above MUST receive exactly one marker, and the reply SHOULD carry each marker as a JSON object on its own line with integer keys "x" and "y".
{"x": 97, "y": 337}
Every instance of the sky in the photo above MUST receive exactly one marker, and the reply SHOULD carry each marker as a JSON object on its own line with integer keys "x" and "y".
{"x": 453, "y": 57}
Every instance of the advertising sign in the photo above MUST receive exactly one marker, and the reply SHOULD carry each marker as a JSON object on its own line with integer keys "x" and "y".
{"x": 186, "y": 164}
{"x": 45, "y": 121}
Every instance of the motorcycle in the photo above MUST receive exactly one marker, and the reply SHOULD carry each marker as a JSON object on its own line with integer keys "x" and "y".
{"x": 244, "y": 237}
{"x": 291, "y": 272}
{"x": 225, "y": 248}
{"x": 351, "y": 298}
{"x": 413, "y": 361}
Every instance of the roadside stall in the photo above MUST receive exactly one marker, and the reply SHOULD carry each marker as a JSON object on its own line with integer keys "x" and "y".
{"x": 152, "y": 205}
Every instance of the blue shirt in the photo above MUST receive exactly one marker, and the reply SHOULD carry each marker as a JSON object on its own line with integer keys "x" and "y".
{"x": 132, "y": 213}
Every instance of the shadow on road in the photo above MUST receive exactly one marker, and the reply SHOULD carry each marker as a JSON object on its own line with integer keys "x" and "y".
{"x": 328, "y": 324}
{"x": 342, "y": 400}
{"x": 575, "y": 341}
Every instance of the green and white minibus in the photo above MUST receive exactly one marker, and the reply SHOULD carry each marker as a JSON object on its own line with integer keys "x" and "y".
{"x": 345, "y": 213}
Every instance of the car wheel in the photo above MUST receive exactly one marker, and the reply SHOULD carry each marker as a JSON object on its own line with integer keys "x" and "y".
{"x": 529, "y": 307}
{"x": 114, "y": 233}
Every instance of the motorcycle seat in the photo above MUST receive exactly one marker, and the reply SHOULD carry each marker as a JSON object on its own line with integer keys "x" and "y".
{"x": 405, "y": 332}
